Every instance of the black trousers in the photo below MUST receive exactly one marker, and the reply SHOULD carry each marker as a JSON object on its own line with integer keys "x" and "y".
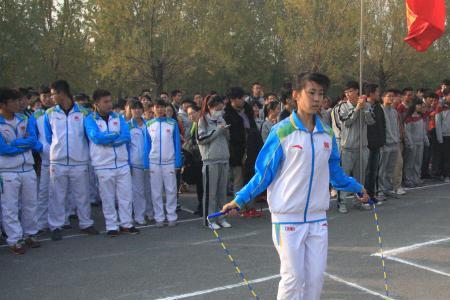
{"x": 373, "y": 165}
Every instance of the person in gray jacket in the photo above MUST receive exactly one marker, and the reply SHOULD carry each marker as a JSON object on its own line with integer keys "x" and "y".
{"x": 443, "y": 131}
{"x": 389, "y": 152}
{"x": 415, "y": 139}
{"x": 213, "y": 136}
{"x": 349, "y": 115}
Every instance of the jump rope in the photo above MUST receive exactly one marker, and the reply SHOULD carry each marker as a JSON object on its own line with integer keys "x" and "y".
{"x": 250, "y": 287}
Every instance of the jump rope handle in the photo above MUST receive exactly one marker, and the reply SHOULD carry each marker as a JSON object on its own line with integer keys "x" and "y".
{"x": 218, "y": 214}
{"x": 371, "y": 200}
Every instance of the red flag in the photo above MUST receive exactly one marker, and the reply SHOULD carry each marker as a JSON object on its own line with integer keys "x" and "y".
{"x": 426, "y": 22}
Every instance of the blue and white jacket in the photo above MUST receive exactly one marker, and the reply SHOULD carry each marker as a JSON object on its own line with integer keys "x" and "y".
{"x": 16, "y": 143}
{"x": 66, "y": 137}
{"x": 108, "y": 149}
{"x": 163, "y": 142}
{"x": 137, "y": 147}
{"x": 296, "y": 166}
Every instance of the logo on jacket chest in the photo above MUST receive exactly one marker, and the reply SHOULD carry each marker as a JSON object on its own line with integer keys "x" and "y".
{"x": 326, "y": 145}
{"x": 115, "y": 123}
{"x": 76, "y": 118}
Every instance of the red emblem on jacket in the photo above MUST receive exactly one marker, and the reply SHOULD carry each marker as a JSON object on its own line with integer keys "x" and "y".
{"x": 76, "y": 118}
{"x": 115, "y": 123}
{"x": 326, "y": 145}
{"x": 299, "y": 147}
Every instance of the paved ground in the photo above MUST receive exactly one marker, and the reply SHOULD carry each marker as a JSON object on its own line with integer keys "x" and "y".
{"x": 186, "y": 263}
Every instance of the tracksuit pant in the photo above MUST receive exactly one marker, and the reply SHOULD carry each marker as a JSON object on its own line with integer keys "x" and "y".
{"x": 93, "y": 185}
{"x": 388, "y": 161}
{"x": 163, "y": 178}
{"x": 302, "y": 249}
{"x": 351, "y": 166}
{"x": 412, "y": 165}
{"x": 42, "y": 199}
{"x": 116, "y": 184}
{"x": 19, "y": 190}
{"x": 142, "y": 203}
{"x": 215, "y": 178}
{"x": 372, "y": 171}
{"x": 65, "y": 180}
{"x": 398, "y": 170}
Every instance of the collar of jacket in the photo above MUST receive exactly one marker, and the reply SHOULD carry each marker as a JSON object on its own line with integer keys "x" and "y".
{"x": 134, "y": 123}
{"x": 21, "y": 117}
{"x": 111, "y": 114}
{"x": 297, "y": 123}
{"x": 75, "y": 108}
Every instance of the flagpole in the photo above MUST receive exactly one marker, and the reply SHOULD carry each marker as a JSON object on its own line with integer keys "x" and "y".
{"x": 361, "y": 44}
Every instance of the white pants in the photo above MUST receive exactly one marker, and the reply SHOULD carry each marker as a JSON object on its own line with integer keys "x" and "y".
{"x": 19, "y": 189}
{"x": 112, "y": 184}
{"x": 65, "y": 180}
{"x": 142, "y": 203}
{"x": 163, "y": 178}
{"x": 302, "y": 249}
{"x": 93, "y": 185}
{"x": 42, "y": 199}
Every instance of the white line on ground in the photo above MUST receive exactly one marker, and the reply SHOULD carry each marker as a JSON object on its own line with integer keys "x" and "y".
{"x": 426, "y": 186}
{"x": 253, "y": 233}
{"x": 407, "y": 262}
{"x": 358, "y": 287}
{"x": 102, "y": 232}
{"x": 268, "y": 278}
{"x": 411, "y": 247}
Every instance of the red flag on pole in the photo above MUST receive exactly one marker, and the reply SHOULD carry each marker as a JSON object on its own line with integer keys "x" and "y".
{"x": 426, "y": 22}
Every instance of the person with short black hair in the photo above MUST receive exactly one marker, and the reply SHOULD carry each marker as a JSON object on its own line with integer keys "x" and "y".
{"x": 182, "y": 114}
{"x": 164, "y": 96}
{"x": 164, "y": 154}
{"x": 376, "y": 138}
{"x": 296, "y": 165}
{"x": 354, "y": 111}
{"x": 176, "y": 98}
{"x": 69, "y": 159}
{"x": 257, "y": 94}
{"x": 245, "y": 140}
{"x": 19, "y": 183}
{"x": 140, "y": 176}
{"x": 390, "y": 152}
{"x": 109, "y": 134}
{"x": 443, "y": 132}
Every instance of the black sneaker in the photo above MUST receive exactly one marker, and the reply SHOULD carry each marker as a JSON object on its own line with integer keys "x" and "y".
{"x": 73, "y": 217}
{"x": 32, "y": 242}
{"x": 56, "y": 235}
{"x": 131, "y": 230}
{"x": 112, "y": 233}
{"x": 90, "y": 230}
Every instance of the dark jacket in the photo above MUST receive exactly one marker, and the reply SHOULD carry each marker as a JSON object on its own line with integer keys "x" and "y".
{"x": 244, "y": 144}
{"x": 376, "y": 133}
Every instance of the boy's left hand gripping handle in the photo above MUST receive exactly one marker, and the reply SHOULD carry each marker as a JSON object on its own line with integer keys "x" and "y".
{"x": 218, "y": 214}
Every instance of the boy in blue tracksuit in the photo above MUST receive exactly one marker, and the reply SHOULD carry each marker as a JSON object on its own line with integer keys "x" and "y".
{"x": 18, "y": 183}
{"x": 298, "y": 161}
{"x": 164, "y": 155}
{"x": 108, "y": 133}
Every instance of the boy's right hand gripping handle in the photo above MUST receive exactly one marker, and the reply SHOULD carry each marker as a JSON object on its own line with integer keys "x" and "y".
{"x": 371, "y": 201}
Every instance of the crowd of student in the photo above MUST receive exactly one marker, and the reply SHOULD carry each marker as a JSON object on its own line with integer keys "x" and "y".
{"x": 60, "y": 153}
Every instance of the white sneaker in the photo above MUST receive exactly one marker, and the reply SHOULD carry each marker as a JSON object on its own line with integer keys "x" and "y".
{"x": 400, "y": 191}
{"x": 215, "y": 226}
{"x": 225, "y": 224}
{"x": 343, "y": 208}
{"x": 381, "y": 196}
{"x": 447, "y": 180}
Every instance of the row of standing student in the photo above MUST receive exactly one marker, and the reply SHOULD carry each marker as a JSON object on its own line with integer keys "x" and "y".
{"x": 70, "y": 138}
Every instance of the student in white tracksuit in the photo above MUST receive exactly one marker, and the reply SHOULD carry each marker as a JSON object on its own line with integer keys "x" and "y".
{"x": 69, "y": 159}
{"x": 142, "y": 202}
{"x": 164, "y": 148}
{"x": 296, "y": 164}
{"x": 17, "y": 176}
{"x": 109, "y": 134}
{"x": 44, "y": 178}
